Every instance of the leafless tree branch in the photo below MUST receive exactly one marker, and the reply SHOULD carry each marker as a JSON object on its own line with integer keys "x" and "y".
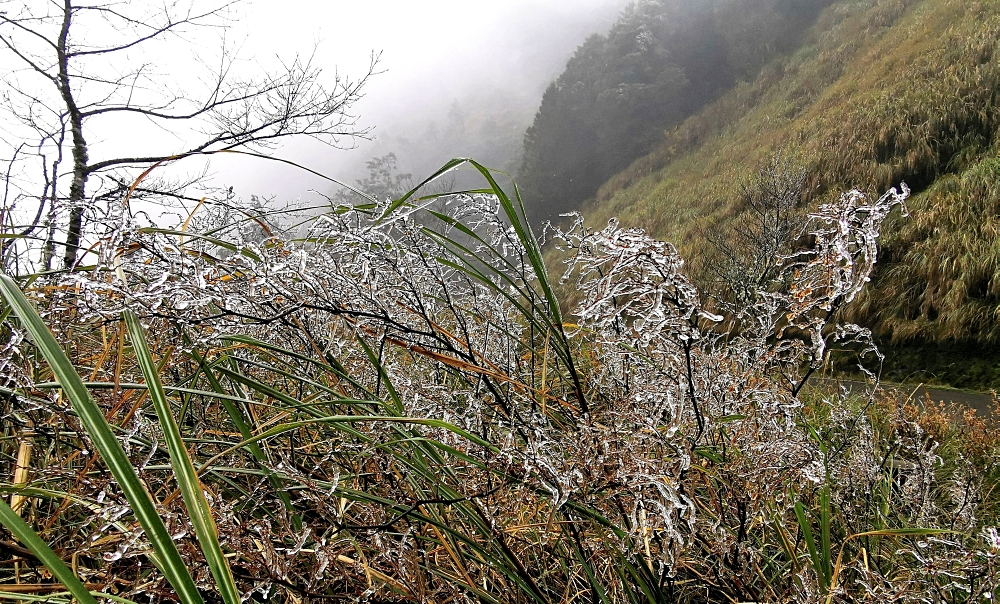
{"x": 58, "y": 43}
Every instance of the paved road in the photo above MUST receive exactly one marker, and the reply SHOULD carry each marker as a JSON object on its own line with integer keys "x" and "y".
{"x": 983, "y": 403}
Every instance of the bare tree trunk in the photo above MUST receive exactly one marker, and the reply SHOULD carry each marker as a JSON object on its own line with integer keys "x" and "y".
{"x": 74, "y": 231}
{"x": 234, "y": 113}
{"x": 49, "y": 249}
{"x": 51, "y": 191}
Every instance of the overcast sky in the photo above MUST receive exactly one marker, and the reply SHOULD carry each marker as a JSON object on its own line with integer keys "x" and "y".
{"x": 488, "y": 56}
{"x": 432, "y": 53}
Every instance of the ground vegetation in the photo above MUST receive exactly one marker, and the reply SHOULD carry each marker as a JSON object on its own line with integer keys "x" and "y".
{"x": 391, "y": 406}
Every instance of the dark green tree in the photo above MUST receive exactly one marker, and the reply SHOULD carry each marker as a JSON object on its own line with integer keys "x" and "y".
{"x": 662, "y": 61}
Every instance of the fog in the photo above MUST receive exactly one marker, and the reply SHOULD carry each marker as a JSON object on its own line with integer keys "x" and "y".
{"x": 455, "y": 79}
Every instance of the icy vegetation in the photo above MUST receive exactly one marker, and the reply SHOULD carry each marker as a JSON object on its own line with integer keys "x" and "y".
{"x": 386, "y": 403}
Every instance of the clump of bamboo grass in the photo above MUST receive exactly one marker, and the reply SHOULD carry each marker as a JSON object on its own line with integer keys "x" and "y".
{"x": 391, "y": 406}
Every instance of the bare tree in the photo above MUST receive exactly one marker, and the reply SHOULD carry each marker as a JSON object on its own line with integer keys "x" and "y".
{"x": 749, "y": 253}
{"x": 69, "y": 67}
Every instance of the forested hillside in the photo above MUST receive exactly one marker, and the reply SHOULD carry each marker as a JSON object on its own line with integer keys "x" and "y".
{"x": 662, "y": 61}
{"x": 880, "y": 92}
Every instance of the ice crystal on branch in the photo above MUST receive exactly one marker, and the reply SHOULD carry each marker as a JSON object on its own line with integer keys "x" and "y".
{"x": 418, "y": 387}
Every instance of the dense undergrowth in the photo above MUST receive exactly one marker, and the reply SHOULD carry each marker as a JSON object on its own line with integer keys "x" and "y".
{"x": 386, "y": 404}
{"x": 881, "y": 92}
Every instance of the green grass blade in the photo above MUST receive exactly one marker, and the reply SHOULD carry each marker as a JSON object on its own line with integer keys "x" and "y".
{"x": 330, "y": 365}
{"x": 170, "y": 561}
{"x": 239, "y": 420}
{"x": 516, "y": 216}
{"x": 383, "y": 374}
{"x": 573, "y": 539}
{"x": 334, "y": 420}
{"x": 184, "y": 470}
{"x": 26, "y": 535}
{"x": 451, "y": 165}
{"x": 807, "y": 536}
{"x": 826, "y": 553}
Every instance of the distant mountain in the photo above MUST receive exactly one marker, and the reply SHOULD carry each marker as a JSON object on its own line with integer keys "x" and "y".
{"x": 478, "y": 100}
{"x": 662, "y": 61}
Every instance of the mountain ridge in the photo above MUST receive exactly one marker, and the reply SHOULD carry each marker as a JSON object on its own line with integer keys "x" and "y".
{"x": 880, "y": 93}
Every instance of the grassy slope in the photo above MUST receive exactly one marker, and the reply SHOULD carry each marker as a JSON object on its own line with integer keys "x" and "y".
{"x": 883, "y": 91}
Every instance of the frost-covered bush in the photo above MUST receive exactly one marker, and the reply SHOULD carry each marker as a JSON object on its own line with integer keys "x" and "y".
{"x": 435, "y": 428}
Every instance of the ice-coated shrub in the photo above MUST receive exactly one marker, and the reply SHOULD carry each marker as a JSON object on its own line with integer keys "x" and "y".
{"x": 430, "y": 426}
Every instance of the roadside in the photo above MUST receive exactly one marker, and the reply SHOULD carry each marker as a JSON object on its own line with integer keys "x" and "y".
{"x": 919, "y": 393}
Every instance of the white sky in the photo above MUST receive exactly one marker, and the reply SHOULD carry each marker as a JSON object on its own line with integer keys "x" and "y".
{"x": 430, "y": 44}
{"x": 433, "y": 52}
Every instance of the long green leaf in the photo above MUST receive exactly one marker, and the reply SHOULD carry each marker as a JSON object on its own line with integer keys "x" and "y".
{"x": 356, "y": 419}
{"x": 239, "y": 420}
{"x": 826, "y": 549}
{"x": 184, "y": 470}
{"x": 515, "y": 215}
{"x": 170, "y": 561}
{"x": 807, "y": 536}
{"x": 26, "y": 535}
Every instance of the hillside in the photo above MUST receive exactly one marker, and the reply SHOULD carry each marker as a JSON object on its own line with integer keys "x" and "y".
{"x": 881, "y": 92}
{"x": 661, "y": 62}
